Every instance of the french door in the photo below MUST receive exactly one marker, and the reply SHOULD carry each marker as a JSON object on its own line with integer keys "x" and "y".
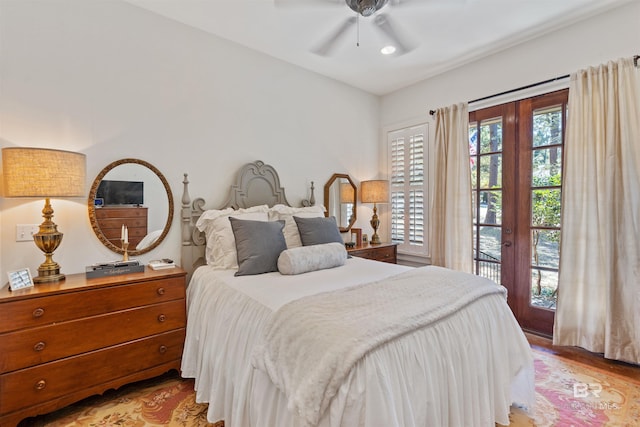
{"x": 516, "y": 171}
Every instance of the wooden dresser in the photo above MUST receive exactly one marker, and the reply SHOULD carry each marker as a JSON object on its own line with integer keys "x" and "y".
{"x": 66, "y": 341}
{"x": 111, "y": 219}
{"x": 386, "y": 252}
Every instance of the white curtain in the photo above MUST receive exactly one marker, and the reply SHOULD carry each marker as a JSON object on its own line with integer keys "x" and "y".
{"x": 451, "y": 213}
{"x": 599, "y": 285}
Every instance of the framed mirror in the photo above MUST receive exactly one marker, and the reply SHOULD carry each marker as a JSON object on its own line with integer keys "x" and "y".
{"x": 131, "y": 193}
{"x": 340, "y": 199}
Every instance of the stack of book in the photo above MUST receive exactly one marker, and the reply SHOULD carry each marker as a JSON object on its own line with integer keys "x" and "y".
{"x": 113, "y": 268}
{"x": 161, "y": 264}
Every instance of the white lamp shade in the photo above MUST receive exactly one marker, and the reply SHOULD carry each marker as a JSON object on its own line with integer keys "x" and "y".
{"x": 42, "y": 172}
{"x": 347, "y": 193}
{"x": 375, "y": 191}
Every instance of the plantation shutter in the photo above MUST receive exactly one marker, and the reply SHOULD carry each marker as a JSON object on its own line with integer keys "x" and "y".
{"x": 408, "y": 188}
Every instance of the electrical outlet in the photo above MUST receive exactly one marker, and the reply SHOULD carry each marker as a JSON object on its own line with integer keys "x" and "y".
{"x": 25, "y": 232}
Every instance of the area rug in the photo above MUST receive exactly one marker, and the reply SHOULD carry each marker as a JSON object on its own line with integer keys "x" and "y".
{"x": 572, "y": 394}
{"x": 163, "y": 401}
{"x": 568, "y": 394}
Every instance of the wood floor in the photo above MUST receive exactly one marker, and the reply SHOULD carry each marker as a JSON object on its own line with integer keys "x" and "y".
{"x": 583, "y": 356}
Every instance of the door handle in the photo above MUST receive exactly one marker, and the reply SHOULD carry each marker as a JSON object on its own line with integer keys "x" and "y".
{"x": 507, "y": 243}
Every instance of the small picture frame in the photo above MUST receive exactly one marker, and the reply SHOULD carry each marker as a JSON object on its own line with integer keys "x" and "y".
{"x": 20, "y": 279}
{"x": 356, "y": 235}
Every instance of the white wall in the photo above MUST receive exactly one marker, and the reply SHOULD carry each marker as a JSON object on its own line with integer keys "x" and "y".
{"x": 112, "y": 81}
{"x": 591, "y": 42}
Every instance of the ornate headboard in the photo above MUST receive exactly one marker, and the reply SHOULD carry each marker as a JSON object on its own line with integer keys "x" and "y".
{"x": 255, "y": 184}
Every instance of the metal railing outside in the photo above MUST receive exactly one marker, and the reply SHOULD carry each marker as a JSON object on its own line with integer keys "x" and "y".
{"x": 488, "y": 266}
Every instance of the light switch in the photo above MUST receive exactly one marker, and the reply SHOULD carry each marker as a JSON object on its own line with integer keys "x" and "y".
{"x": 25, "y": 232}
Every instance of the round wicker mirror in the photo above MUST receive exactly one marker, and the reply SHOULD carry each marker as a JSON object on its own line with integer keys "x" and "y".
{"x": 135, "y": 194}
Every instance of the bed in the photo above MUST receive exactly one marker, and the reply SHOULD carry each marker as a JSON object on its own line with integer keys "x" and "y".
{"x": 327, "y": 340}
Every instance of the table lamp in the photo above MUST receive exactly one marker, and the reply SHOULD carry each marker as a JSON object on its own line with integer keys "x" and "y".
{"x": 41, "y": 172}
{"x": 347, "y": 193}
{"x": 375, "y": 191}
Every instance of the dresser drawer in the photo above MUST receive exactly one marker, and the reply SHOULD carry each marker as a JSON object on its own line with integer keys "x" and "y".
{"x": 59, "y": 308}
{"x": 116, "y": 223}
{"x": 29, "y": 347}
{"x": 49, "y": 381}
{"x": 382, "y": 253}
{"x": 107, "y": 212}
{"x": 385, "y": 254}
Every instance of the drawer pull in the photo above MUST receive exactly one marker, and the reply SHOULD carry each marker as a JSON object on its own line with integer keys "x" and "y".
{"x": 38, "y": 312}
{"x": 162, "y": 318}
{"x": 39, "y": 346}
{"x": 160, "y": 291}
{"x": 40, "y": 385}
{"x": 162, "y": 349}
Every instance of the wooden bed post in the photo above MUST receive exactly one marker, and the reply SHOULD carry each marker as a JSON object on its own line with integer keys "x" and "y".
{"x": 186, "y": 212}
{"x": 192, "y": 254}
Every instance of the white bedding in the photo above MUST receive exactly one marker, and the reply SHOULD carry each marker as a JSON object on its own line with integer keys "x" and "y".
{"x": 464, "y": 370}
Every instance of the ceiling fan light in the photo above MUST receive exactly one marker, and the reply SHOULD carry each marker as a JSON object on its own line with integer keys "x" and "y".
{"x": 367, "y": 11}
{"x": 388, "y": 50}
{"x": 366, "y": 8}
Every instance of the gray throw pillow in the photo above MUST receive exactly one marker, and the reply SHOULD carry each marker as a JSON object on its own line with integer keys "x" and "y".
{"x": 258, "y": 245}
{"x": 316, "y": 231}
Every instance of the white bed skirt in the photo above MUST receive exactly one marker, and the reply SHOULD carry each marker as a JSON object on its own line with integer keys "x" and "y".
{"x": 465, "y": 370}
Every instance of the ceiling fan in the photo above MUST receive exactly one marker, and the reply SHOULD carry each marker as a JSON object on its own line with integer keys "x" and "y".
{"x": 366, "y": 9}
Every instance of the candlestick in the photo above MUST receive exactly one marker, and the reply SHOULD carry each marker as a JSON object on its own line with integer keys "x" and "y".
{"x": 125, "y": 255}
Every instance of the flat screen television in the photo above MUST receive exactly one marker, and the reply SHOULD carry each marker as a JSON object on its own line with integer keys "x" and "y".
{"x": 121, "y": 192}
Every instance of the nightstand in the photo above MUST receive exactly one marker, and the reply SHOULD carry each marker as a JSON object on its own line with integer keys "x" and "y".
{"x": 62, "y": 342}
{"x": 386, "y": 252}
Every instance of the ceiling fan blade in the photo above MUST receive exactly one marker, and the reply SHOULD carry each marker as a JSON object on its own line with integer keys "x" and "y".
{"x": 396, "y": 3}
{"x": 383, "y": 23}
{"x": 325, "y": 47}
{"x": 305, "y": 3}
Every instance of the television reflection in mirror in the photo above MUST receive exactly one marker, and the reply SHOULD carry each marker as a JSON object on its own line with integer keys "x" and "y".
{"x": 129, "y": 193}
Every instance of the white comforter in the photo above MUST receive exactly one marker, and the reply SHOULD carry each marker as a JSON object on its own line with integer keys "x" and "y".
{"x": 464, "y": 370}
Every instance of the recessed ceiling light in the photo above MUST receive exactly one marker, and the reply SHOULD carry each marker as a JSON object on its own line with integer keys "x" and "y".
{"x": 388, "y": 50}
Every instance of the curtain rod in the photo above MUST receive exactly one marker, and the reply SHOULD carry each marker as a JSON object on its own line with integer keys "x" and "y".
{"x": 432, "y": 112}
{"x": 506, "y": 92}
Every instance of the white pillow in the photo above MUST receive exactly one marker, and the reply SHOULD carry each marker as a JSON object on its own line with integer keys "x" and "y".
{"x": 286, "y": 213}
{"x": 221, "y": 244}
{"x": 311, "y": 258}
{"x": 148, "y": 240}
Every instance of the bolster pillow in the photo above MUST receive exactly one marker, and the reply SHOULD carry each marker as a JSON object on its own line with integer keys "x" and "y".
{"x": 310, "y": 258}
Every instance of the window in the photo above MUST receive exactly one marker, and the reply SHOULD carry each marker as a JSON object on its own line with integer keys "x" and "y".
{"x": 407, "y": 162}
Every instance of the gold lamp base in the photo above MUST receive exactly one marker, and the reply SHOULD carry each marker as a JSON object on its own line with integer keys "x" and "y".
{"x": 47, "y": 239}
{"x": 375, "y": 223}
